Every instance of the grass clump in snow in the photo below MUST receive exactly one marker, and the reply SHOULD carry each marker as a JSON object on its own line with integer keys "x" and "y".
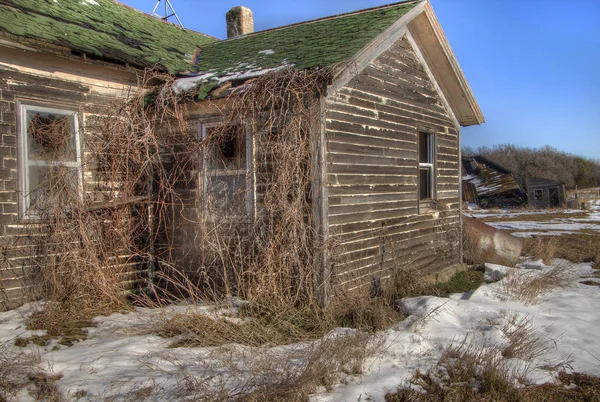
{"x": 237, "y": 373}
{"x": 257, "y": 324}
{"x": 15, "y": 368}
{"x": 44, "y": 388}
{"x": 574, "y": 387}
{"x": 541, "y": 248}
{"x": 529, "y": 286}
{"x": 525, "y": 340}
{"x": 494, "y": 386}
{"x": 463, "y": 373}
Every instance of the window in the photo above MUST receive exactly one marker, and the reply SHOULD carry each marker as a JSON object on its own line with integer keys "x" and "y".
{"x": 49, "y": 155}
{"x": 227, "y": 170}
{"x": 538, "y": 195}
{"x": 426, "y": 157}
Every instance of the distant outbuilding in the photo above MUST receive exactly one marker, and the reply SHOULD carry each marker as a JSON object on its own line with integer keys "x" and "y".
{"x": 542, "y": 193}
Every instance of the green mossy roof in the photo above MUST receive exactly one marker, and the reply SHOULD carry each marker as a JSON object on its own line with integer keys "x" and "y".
{"x": 102, "y": 29}
{"x": 320, "y": 43}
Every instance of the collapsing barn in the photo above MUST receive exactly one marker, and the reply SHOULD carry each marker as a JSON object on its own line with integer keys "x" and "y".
{"x": 542, "y": 193}
{"x": 295, "y": 161}
{"x": 489, "y": 184}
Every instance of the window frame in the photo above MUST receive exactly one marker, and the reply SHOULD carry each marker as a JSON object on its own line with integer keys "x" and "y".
{"x": 249, "y": 170}
{"x": 425, "y": 204}
{"x": 23, "y": 161}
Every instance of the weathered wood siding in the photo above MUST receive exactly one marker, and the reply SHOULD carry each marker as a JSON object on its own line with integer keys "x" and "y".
{"x": 372, "y": 126}
{"x": 57, "y": 83}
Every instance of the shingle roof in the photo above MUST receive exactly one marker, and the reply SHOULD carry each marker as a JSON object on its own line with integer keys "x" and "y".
{"x": 320, "y": 43}
{"x": 102, "y": 29}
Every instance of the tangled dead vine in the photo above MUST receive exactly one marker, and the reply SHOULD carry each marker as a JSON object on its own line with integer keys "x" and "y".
{"x": 256, "y": 238}
{"x": 143, "y": 161}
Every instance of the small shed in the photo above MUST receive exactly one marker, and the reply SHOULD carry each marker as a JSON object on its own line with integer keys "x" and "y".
{"x": 542, "y": 193}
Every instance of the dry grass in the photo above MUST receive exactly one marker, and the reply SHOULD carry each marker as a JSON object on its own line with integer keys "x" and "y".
{"x": 464, "y": 373}
{"x": 583, "y": 246}
{"x": 236, "y": 373}
{"x": 15, "y": 369}
{"x": 571, "y": 387}
{"x": 44, "y": 388}
{"x": 530, "y": 286}
{"x": 541, "y": 248}
{"x": 526, "y": 341}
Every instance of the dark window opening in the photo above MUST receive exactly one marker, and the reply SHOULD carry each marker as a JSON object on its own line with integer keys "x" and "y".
{"x": 538, "y": 195}
{"x": 424, "y": 184}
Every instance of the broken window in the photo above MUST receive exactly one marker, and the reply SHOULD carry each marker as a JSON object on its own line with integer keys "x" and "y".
{"x": 49, "y": 156}
{"x": 538, "y": 195}
{"x": 227, "y": 179}
{"x": 426, "y": 158}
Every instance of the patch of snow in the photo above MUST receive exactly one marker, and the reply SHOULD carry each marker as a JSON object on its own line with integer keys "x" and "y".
{"x": 267, "y": 52}
{"x": 240, "y": 72}
{"x": 495, "y": 272}
{"x": 183, "y": 85}
{"x": 121, "y": 355}
{"x": 532, "y": 234}
{"x": 90, "y": 2}
{"x": 561, "y": 225}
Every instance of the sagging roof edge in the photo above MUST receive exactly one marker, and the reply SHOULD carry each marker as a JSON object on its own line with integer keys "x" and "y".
{"x": 424, "y": 27}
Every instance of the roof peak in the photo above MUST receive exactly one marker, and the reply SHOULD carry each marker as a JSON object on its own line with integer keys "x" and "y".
{"x": 331, "y": 17}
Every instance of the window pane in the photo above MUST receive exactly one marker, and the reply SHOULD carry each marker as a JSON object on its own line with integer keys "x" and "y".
{"x": 424, "y": 184}
{"x": 56, "y": 184}
{"x": 425, "y": 148}
{"x": 227, "y": 193}
{"x": 51, "y": 136}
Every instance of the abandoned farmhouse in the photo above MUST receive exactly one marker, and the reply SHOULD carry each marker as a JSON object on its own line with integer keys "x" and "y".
{"x": 326, "y": 152}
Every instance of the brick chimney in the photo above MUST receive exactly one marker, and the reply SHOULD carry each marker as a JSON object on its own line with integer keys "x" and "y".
{"x": 239, "y": 21}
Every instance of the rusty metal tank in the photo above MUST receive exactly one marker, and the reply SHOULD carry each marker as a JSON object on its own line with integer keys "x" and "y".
{"x": 493, "y": 245}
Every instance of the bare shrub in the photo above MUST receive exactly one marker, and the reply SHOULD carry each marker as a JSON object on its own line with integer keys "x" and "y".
{"x": 526, "y": 341}
{"x": 44, "y": 388}
{"x": 530, "y": 286}
{"x": 236, "y": 373}
{"x": 15, "y": 369}
{"x": 464, "y": 373}
{"x": 541, "y": 248}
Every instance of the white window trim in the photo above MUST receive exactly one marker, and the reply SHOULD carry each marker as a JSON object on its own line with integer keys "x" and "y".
{"x": 431, "y": 166}
{"x": 23, "y": 154}
{"x": 249, "y": 171}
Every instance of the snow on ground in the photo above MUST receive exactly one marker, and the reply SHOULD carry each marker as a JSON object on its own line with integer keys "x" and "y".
{"x": 566, "y": 318}
{"x": 120, "y": 356}
{"x": 552, "y": 227}
{"x": 560, "y": 225}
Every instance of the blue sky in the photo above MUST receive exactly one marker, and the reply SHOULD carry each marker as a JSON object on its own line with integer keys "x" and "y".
{"x": 532, "y": 64}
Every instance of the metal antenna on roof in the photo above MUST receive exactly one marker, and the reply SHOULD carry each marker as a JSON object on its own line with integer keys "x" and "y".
{"x": 169, "y": 12}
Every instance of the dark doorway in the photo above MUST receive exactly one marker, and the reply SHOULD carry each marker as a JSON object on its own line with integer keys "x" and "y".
{"x": 554, "y": 202}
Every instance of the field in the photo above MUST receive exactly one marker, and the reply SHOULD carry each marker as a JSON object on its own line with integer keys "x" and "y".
{"x": 525, "y": 326}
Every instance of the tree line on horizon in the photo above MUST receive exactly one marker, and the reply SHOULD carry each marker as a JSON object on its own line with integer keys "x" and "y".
{"x": 544, "y": 163}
